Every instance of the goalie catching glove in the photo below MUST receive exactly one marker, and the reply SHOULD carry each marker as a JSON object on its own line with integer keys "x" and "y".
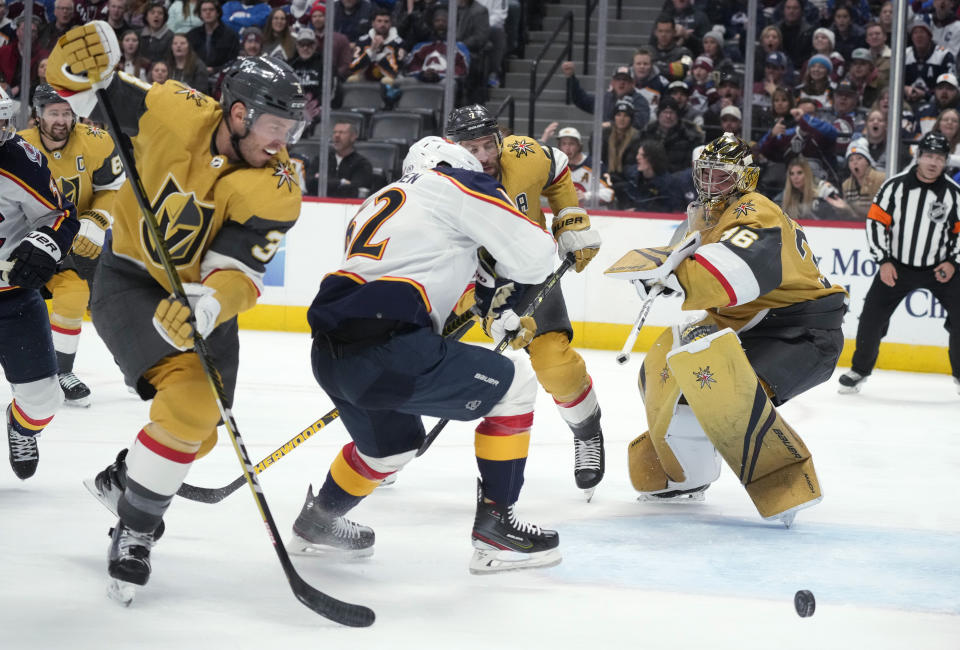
{"x": 89, "y": 240}
{"x": 572, "y": 231}
{"x": 172, "y": 317}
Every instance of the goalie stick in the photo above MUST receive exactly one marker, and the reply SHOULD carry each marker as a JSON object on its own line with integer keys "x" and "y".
{"x": 455, "y": 329}
{"x": 545, "y": 290}
{"x": 321, "y": 603}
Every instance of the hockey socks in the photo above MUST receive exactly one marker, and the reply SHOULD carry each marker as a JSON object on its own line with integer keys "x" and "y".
{"x": 156, "y": 466}
{"x": 501, "y": 444}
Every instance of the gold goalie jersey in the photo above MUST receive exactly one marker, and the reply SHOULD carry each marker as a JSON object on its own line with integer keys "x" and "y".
{"x": 87, "y": 168}
{"x": 529, "y": 170}
{"x": 215, "y": 215}
{"x": 753, "y": 260}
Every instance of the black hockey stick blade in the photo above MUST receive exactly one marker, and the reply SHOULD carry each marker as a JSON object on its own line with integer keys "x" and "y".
{"x": 329, "y": 607}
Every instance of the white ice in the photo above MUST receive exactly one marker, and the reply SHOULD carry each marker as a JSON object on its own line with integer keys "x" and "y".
{"x": 881, "y": 553}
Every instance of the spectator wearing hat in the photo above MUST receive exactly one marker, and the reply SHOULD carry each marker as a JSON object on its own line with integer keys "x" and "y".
{"x": 580, "y": 164}
{"x": 215, "y": 43}
{"x": 864, "y": 76}
{"x": 847, "y": 30}
{"x": 648, "y": 80}
{"x": 678, "y": 138}
{"x": 377, "y": 53}
{"x": 796, "y": 31}
{"x": 251, "y": 42}
{"x": 620, "y": 142}
{"x": 672, "y": 59}
{"x": 703, "y": 92}
{"x": 862, "y": 184}
{"x": 238, "y": 14}
{"x": 816, "y": 81}
{"x": 308, "y": 61}
{"x": 730, "y": 93}
{"x": 342, "y": 50}
{"x": 946, "y": 94}
{"x": 774, "y": 76}
{"x": 849, "y": 118}
{"x": 731, "y": 121}
{"x": 622, "y": 88}
{"x": 352, "y": 18}
{"x": 155, "y": 37}
{"x": 690, "y": 24}
{"x": 880, "y": 52}
{"x": 923, "y": 63}
{"x": 713, "y": 47}
{"x": 680, "y": 92}
{"x": 823, "y": 43}
{"x": 11, "y": 56}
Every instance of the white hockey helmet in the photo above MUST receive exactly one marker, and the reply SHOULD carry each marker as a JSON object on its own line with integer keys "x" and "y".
{"x": 7, "y": 115}
{"x": 428, "y": 152}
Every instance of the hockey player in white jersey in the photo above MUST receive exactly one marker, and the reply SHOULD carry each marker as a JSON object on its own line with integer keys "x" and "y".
{"x": 377, "y": 351}
{"x": 37, "y": 228}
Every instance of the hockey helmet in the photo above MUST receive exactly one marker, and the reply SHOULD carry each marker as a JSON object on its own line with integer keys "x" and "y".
{"x": 934, "y": 142}
{"x": 44, "y": 96}
{"x": 265, "y": 85}
{"x": 431, "y": 151}
{"x": 472, "y": 122}
{"x": 7, "y": 114}
{"x": 724, "y": 167}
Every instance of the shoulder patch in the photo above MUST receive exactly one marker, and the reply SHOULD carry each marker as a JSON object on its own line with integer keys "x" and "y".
{"x": 522, "y": 147}
{"x": 196, "y": 96}
{"x": 286, "y": 174}
{"x": 744, "y": 208}
{"x": 32, "y": 152}
{"x": 94, "y": 131}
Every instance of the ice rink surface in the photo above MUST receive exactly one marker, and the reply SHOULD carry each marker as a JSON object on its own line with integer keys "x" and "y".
{"x": 881, "y": 553}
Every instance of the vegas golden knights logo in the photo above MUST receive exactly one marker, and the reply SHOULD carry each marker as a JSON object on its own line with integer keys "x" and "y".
{"x": 70, "y": 188}
{"x": 182, "y": 220}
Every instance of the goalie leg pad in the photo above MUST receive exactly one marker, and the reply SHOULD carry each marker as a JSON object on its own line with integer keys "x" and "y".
{"x": 660, "y": 396}
{"x": 560, "y": 370}
{"x": 184, "y": 403}
{"x": 737, "y": 416}
{"x": 646, "y": 472}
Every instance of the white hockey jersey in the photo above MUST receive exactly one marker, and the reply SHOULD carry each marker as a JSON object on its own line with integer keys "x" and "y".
{"x": 411, "y": 250}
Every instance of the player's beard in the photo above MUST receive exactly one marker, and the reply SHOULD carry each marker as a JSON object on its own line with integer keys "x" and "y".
{"x": 58, "y": 132}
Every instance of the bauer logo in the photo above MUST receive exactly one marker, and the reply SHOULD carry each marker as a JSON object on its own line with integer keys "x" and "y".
{"x": 273, "y": 276}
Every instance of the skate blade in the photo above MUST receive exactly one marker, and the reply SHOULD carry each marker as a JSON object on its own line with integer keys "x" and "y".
{"x": 492, "y": 560}
{"x": 83, "y": 402}
{"x": 121, "y": 592}
{"x": 848, "y": 390}
{"x": 787, "y": 516}
{"x": 588, "y": 493}
{"x": 390, "y": 480}
{"x": 91, "y": 485}
{"x": 681, "y": 498}
{"x": 305, "y": 548}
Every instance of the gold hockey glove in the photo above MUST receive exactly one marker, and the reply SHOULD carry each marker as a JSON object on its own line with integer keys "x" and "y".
{"x": 83, "y": 57}
{"x": 172, "y": 317}
{"x": 573, "y": 234}
{"x": 519, "y": 329}
{"x": 89, "y": 240}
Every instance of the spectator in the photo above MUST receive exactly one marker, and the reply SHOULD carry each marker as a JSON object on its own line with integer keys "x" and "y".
{"x": 185, "y": 66}
{"x": 703, "y": 93}
{"x": 136, "y": 9}
{"x": 875, "y": 133}
{"x": 473, "y": 30}
{"x": 771, "y": 41}
{"x": 352, "y": 18}
{"x": 949, "y": 125}
{"x": 184, "y": 16}
{"x": 238, "y": 14}
{"x": 308, "y": 62}
{"x": 805, "y": 196}
{"x": 672, "y": 60}
{"x": 678, "y": 138}
{"x": 87, "y": 10}
{"x": 622, "y": 89}
{"x": 781, "y": 103}
{"x": 864, "y": 76}
{"x": 774, "y": 76}
{"x": 117, "y": 17}
{"x": 680, "y": 92}
{"x": 342, "y": 50}
{"x": 823, "y": 43}
{"x": 65, "y": 18}
{"x": 159, "y": 72}
{"x": 880, "y": 52}
{"x": 413, "y": 20}
{"x": 350, "y": 174}
{"x": 620, "y": 142}
{"x": 690, "y": 26}
{"x": 580, "y": 164}
{"x": 497, "y": 10}
{"x": 862, "y": 184}
{"x": 885, "y": 18}
{"x": 130, "y": 60}
{"x": 377, "y": 53}
{"x": 278, "y": 42}
{"x": 214, "y": 42}
{"x": 713, "y": 47}
{"x": 848, "y": 35}
{"x": 730, "y": 93}
{"x": 731, "y": 121}
{"x": 850, "y": 117}
{"x": 810, "y": 136}
{"x": 796, "y": 32}
{"x": 923, "y": 63}
{"x": 427, "y": 62}
{"x": 816, "y": 82}
{"x": 11, "y": 56}
{"x": 648, "y": 80}
{"x": 652, "y": 188}
{"x": 946, "y": 94}
{"x": 252, "y": 41}
{"x": 946, "y": 27}
{"x": 155, "y": 37}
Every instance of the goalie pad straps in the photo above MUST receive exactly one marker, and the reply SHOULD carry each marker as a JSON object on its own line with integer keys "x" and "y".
{"x": 726, "y": 396}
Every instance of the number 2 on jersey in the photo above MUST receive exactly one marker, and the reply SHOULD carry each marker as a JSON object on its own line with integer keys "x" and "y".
{"x": 392, "y": 201}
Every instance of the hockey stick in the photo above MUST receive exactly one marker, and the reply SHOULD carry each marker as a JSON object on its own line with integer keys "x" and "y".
{"x": 454, "y": 329}
{"x": 624, "y": 355}
{"x": 327, "y": 606}
{"x": 547, "y": 287}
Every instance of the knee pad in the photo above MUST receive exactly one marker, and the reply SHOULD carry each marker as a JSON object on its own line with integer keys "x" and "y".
{"x": 560, "y": 370}
{"x": 522, "y": 393}
{"x": 36, "y": 402}
{"x": 184, "y": 404}
{"x": 70, "y": 298}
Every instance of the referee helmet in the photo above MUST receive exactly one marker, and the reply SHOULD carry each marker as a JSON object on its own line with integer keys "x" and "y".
{"x": 935, "y": 142}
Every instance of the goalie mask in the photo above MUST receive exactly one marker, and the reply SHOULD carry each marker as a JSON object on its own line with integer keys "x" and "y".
{"x": 725, "y": 168}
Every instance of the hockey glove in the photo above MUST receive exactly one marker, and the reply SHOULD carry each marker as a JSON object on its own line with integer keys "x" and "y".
{"x": 573, "y": 235}
{"x": 172, "y": 317}
{"x": 34, "y": 260}
{"x": 519, "y": 329}
{"x": 492, "y": 291}
{"x": 89, "y": 240}
{"x": 83, "y": 60}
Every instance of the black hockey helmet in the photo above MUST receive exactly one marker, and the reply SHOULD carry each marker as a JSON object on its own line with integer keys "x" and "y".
{"x": 472, "y": 122}
{"x": 265, "y": 85}
{"x": 934, "y": 142}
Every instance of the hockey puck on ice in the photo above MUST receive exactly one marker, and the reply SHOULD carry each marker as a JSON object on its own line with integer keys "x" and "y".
{"x": 804, "y": 603}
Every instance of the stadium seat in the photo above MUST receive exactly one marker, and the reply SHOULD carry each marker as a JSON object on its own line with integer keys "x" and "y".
{"x": 425, "y": 100}
{"x": 384, "y": 157}
{"x": 397, "y": 127}
{"x": 362, "y": 97}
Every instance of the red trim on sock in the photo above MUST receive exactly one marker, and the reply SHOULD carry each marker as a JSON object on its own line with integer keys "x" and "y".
{"x": 65, "y": 330}
{"x": 357, "y": 464}
{"x": 505, "y": 425}
{"x": 29, "y": 420}
{"x": 182, "y": 457}
{"x": 583, "y": 396}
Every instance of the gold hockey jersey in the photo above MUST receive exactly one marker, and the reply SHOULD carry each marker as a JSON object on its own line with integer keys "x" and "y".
{"x": 753, "y": 260}
{"x": 214, "y": 214}
{"x": 529, "y": 170}
{"x": 87, "y": 168}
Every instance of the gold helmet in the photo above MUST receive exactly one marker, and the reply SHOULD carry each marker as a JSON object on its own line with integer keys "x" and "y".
{"x": 724, "y": 167}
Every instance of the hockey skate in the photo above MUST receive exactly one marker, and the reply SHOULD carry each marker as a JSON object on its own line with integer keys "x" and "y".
{"x": 695, "y": 495}
{"x": 502, "y": 542}
{"x": 128, "y": 562}
{"x": 956, "y": 382}
{"x": 75, "y": 392}
{"x": 316, "y": 532}
{"x": 588, "y": 463}
{"x": 24, "y": 453}
{"x": 108, "y": 486}
{"x": 851, "y": 382}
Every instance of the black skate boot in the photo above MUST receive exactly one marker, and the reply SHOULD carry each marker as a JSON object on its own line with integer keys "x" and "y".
{"x": 108, "y": 487}
{"x": 316, "y": 532}
{"x": 128, "y": 561}
{"x": 588, "y": 463}
{"x": 24, "y": 453}
{"x": 851, "y": 382}
{"x": 75, "y": 392}
{"x": 502, "y": 542}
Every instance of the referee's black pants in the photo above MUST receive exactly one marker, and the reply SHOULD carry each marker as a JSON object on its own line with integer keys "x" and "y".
{"x": 882, "y": 301}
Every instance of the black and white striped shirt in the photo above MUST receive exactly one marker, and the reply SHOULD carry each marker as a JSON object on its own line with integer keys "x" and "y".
{"x": 915, "y": 223}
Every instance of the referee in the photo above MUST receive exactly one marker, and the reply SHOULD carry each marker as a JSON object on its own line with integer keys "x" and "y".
{"x": 913, "y": 231}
